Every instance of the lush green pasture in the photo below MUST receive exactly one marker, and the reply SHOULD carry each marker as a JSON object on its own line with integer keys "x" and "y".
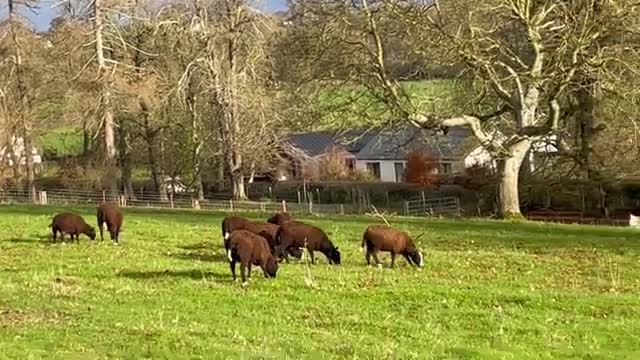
{"x": 489, "y": 290}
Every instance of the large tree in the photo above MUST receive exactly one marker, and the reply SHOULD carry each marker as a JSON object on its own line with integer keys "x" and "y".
{"x": 520, "y": 58}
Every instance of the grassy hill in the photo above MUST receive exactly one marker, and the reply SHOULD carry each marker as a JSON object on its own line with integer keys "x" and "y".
{"x": 488, "y": 290}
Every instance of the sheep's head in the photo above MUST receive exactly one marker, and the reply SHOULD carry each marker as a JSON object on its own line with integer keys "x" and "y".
{"x": 91, "y": 233}
{"x": 271, "y": 267}
{"x": 334, "y": 256}
{"x": 416, "y": 256}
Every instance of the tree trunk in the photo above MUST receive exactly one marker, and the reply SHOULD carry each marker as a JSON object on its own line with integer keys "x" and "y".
{"x": 24, "y": 105}
{"x": 509, "y": 173}
{"x": 111, "y": 175}
{"x": 239, "y": 191}
{"x": 197, "y": 142}
{"x": 125, "y": 161}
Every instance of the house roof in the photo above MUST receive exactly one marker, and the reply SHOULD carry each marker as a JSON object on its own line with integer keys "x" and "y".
{"x": 396, "y": 143}
{"x": 387, "y": 144}
{"x": 312, "y": 143}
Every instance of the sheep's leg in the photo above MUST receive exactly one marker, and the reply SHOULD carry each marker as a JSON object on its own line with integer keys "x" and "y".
{"x": 393, "y": 259}
{"x": 368, "y": 257}
{"x": 249, "y": 271}
{"x": 375, "y": 257}
{"x": 313, "y": 258}
{"x": 100, "y": 226}
{"x": 243, "y": 272}
{"x": 408, "y": 260}
{"x": 232, "y": 264}
{"x": 55, "y": 234}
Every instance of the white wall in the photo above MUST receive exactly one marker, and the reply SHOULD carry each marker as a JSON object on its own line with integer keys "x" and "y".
{"x": 387, "y": 168}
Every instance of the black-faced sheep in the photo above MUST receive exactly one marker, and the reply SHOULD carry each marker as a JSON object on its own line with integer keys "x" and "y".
{"x": 110, "y": 215}
{"x": 72, "y": 224}
{"x": 250, "y": 249}
{"x": 295, "y": 234}
{"x": 383, "y": 238}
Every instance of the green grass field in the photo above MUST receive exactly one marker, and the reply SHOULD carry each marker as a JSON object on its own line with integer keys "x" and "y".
{"x": 489, "y": 290}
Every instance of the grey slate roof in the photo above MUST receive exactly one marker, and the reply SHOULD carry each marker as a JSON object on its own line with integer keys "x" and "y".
{"x": 312, "y": 143}
{"x": 397, "y": 143}
{"x": 388, "y": 144}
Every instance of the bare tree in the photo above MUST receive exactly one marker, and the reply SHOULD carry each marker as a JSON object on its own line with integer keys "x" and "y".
{"x": 236, "y": 74}
{"x": 19, "y": 112}
{"x": 520, "y": 56}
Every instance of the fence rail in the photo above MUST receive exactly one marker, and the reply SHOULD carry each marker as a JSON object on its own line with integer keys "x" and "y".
{"x": 426, "y": 207}
{"x": 446, "y": 206}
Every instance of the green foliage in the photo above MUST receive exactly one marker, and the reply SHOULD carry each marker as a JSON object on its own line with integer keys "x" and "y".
{"x": 352, "y": 106}
{"x": 62, "y": 142}
{"x": 489, "y": 290}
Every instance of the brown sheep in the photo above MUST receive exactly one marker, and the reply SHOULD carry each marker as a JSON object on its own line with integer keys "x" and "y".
{"x": 269, "y": 232}
{"x": 231, "y": 224}
{"x": 280, "y": 218}
{"x": 250, "y": 249}
{"x": 72, "y": 224}
{"x": 266, "y": 230}
{"x": 110, "y": 215}
{"x": 294, "y": 234}
{"x": 383, "y": 238}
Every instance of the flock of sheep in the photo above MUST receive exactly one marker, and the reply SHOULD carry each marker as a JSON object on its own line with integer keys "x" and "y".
{"x": 263, "y": 244}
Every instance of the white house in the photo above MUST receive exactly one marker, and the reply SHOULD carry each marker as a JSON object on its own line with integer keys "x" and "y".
{"x": 383, "y": 153}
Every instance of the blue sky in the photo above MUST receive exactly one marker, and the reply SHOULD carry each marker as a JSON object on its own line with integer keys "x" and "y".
{"x": 46, "y": 13}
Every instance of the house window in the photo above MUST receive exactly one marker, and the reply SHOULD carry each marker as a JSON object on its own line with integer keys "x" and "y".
{"x": 374, "y": 169}
{"x": 445, "y": 168}
{"x": 399, "y": 168}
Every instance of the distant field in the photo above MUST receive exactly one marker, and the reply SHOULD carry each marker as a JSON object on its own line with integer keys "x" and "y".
{"x": 489, "y": 290}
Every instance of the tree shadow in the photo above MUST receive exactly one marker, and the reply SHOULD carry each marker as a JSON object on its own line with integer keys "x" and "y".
{"x": 189, "y": 274}
{"x": 38, "y": 239}
{"x": 199, "y": 246}
{"x": 200, "y": 256}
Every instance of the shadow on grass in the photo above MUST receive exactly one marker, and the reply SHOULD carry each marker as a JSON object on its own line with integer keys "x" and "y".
{"x": 38, "y": 239}
{"x": 200, "y": 256}
{"x": 188, "y": 274}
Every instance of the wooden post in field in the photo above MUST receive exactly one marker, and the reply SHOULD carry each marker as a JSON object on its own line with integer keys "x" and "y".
{"x": 299, "y": 200}
{"x": 123, "y": 201}
{"x": 284, "y": 206}
{"x": 318, "y": 194}
{"x": 104, "y": 196}
{"x": 263, "y": 207}
{"x": 196, "y": 204}
{"x": 43, "y": 198}
{"x": 171, "y": 199}
{"x": 270, "y": 193}
{"x": 310, "y": 206}
{"x": 341, "y": 209}
{"x": 457, "y": 207}
{"x": 231, "y": 204}
{"x": 406, "y": 208}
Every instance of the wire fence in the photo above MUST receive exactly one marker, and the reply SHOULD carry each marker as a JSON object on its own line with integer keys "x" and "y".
{"x": 436, "y": 207}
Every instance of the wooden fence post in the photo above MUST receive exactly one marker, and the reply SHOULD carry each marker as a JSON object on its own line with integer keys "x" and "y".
{"x": 171, "y": 199}
{"x": 406, "y": 208}
{"x": 457, "y": 207}
{"x": 43, "y": 198}
{"x": 284, "y": 206}
{"x": 196, "y": 204}
{"x": 231, "y": 204}
{"x": 310, "y": 207}
{"x": 341, "y": 209}
{"x": 104, "y": 196}
{"x": 263, "y": 207}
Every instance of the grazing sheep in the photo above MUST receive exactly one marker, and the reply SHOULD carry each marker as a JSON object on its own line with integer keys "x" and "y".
{"x": 72, "y": 224}
{"x": 231, "y": 224}
{"x": 280, "y": 218}
{"x": 250, "y": 249}
{"x": 383, "y": 238}
{"x": 295, "y": 234}
{"x": 110, "y": 215}
{"x": 269, "y": 232}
